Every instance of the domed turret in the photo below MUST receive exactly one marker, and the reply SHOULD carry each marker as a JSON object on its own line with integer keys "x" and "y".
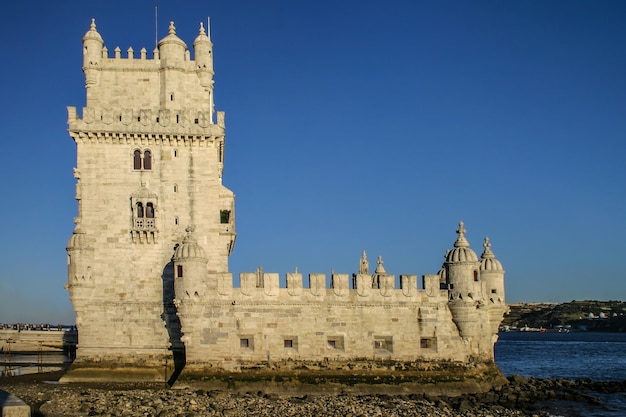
{"x": 190, "y": 280}
{"x": 492, "y": 274}
{"x": 189, "y": 249}
{"x": 462, "y": 269}
{"x": 203, "y": 55}
{"x": 488, "y": 261}
{"x": 464, "y": 287}
{"x": 172, "y": 48}
{"x": 461, "y": 252}
{"x": 92, "y": 53}
{"x": 190, "y": 268}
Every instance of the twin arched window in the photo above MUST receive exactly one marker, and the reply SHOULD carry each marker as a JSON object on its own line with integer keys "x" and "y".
{"x": 148, "y": 212}
{"x": 142, "y": 160}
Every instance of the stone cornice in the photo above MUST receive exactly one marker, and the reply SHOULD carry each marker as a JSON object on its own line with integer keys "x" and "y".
{"x": 133, "y": 138}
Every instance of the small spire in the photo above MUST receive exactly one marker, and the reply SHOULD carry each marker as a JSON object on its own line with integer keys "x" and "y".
{"x": 202, "y": 32}
{"x": 189, "y": 237}
{"x": 487, "y": 253}
{"x": 380, "y": 269}
{"x": 172, "y": 30}
{"x": 461, "y": 242}
{"x": 364, "y": 266}
{"x": 93, "y": 24}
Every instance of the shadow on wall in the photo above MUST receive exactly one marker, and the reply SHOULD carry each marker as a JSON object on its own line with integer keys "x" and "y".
{"x": 172, "y": 323}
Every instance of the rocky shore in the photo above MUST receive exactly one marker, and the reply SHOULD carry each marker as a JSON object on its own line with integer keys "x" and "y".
{"x": 520, "y": 397}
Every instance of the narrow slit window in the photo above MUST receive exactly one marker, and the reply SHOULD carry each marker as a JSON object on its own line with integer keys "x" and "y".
{"x": 179, "y": 271}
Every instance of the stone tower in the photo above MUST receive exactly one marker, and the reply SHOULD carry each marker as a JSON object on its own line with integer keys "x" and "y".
{"x": 148, "y": 260}
{"x": 150, "y": 155}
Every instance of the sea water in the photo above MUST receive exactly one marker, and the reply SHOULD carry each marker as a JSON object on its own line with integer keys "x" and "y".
{"x": 575, "y": 355}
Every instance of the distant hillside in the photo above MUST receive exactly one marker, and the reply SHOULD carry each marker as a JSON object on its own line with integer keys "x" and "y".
{"x": 609, "y": 316}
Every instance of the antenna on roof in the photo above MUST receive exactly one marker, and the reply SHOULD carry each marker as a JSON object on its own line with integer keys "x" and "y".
{"x": 156, "y": 22}
{"x": 208, "y": 27}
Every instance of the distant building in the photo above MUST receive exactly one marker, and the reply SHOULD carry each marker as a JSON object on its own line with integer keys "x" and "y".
{"x": 148, "y": 268}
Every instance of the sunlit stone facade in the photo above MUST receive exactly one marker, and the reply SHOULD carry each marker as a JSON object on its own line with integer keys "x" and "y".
{"x": 148, "y": 268}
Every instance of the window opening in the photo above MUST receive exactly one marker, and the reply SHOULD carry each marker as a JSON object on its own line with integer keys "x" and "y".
{"x": 150, "y": 211}
{"x": 147, "y": 160}
{"x": 427, "y": 343}
{"x": 180, "y": 271}
{"x": 244, "y": 343}
{"x": 288, "y": 343}
{"x": 139, "y": 210}
{"x": 137, "y": 159}
{"x": 224, "y": 216}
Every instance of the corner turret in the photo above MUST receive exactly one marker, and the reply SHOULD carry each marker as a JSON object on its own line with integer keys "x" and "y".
{"x": 203, "y": 55}
{"x": 462, "y": 273}
{"x": 492, "y": 275}
{"x": 92, "y": 54}
{"x": 190, "y": 267}
{"x": 465, "y": 296}
{"x": 190, "y": 277}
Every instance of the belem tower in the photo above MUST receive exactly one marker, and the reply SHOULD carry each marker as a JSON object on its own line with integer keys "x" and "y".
{"x": 148, "y": 268}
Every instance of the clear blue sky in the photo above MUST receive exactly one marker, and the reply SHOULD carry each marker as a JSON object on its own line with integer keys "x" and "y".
{"x": 351, "y": 126}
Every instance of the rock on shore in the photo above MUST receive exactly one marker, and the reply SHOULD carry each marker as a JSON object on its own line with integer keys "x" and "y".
{"x": 518, "y": 398}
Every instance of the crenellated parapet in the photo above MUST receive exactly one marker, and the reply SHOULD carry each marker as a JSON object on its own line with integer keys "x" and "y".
{"x": 161, "y": 91}
{"x": 319, "y": 287}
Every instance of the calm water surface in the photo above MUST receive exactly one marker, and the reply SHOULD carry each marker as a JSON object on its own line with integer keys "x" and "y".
{"x": 598, "y": 356}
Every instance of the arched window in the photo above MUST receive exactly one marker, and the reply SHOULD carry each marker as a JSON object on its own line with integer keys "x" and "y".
{"x": 139, "y": 210}
{"x": 149, "y": 211}
{"x": 147, "y": 160}
{"x": 137, "y": 159}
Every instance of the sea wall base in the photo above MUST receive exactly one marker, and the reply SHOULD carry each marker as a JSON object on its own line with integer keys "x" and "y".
{"x": 353, "y": 377}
